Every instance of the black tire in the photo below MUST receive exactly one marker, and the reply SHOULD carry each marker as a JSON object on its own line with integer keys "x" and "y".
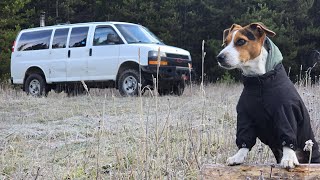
{"x": 36, "y": 85}
{"x": 175, "y": 89}
{"x": 163, "y": 92}
{"x": 179, "y": 88}
{"x": 128, "y": 82}
{"x": 75, "y": 90}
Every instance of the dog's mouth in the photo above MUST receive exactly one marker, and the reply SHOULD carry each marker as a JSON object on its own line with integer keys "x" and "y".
{"x": 225, "y": 65}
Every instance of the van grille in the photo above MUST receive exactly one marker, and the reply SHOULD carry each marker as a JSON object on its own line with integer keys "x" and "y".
{"x": 177, "y": 56}
{"x": 178, "y": 60}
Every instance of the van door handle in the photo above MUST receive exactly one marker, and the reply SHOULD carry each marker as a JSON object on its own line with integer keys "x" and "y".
{"x": 69, "y": 53}
{"x": 90, "y": 52}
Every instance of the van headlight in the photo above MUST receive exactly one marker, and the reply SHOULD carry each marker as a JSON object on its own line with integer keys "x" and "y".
{"x": 153, "y": 58}
{"x": 155, "y": 54}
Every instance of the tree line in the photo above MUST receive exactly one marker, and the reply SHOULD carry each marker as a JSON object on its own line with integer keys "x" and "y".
{"x": 181, "y": 23}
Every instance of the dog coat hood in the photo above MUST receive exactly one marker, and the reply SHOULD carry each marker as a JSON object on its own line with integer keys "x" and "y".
{"x": 271, "y": 109}
{"x": 274, "y": 55}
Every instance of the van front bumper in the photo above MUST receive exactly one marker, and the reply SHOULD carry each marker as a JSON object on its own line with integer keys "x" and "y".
{"x": 166, "y": 73}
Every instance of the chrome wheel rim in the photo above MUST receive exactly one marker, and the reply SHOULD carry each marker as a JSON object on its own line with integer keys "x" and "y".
{"x": 34, "y": 87}
{"x": 130, "y": 85}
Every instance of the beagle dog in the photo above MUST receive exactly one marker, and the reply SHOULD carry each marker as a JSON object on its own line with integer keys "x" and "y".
{"x": 269, "y": 107}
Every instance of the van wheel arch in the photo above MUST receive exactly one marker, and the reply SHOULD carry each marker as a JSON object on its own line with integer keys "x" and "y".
{"x": 38, "y": 71}
{"x": 125, "y": 66}
{"x": 34, "y": 70}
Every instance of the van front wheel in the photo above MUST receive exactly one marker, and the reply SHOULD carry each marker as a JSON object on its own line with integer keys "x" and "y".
{"x": 128, "y": 82}
{"x": 179, "y": 88}
{"x": 35, "y": 85}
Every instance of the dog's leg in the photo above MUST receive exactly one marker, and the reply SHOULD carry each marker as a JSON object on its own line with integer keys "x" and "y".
{"x": 277, "y": 154}
{"x": 289, "y": 159}
{"x": 238, "y": 158}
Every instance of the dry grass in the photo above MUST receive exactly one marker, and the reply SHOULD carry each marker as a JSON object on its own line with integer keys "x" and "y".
{"x": 105, "y": 136}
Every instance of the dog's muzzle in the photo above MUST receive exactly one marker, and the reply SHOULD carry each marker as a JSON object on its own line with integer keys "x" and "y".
{"x": 221, "y": 58}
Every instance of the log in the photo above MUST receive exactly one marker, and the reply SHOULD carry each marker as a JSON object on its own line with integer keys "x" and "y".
{"x": 261, "y": 172}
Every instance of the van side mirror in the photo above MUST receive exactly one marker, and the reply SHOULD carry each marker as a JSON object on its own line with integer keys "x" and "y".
{"x": 113, "y": 39}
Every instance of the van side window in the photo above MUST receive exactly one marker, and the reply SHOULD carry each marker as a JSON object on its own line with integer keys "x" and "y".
{"x": 60, "y": 38}
{"x": 34, "y": 40}
{"x": 78, "y": 37}
{"x": 105, "y": 36}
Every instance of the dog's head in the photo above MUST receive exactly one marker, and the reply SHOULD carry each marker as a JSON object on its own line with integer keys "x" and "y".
{"x": 242, "y": 45}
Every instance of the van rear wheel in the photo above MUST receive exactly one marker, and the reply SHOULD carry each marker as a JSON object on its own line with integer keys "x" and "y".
{"x": 35, "y": 85}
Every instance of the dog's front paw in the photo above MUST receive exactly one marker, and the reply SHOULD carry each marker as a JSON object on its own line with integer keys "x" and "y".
{"x": 235, "y": 160}
{"x": 289, "y": 159}
{"x": 238, "y": 158}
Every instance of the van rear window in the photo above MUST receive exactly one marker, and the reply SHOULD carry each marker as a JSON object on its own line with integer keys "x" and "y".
{"x": 60, "y": 38}
{"x": 34, "y": 40}
{"x": 78, "y": 37}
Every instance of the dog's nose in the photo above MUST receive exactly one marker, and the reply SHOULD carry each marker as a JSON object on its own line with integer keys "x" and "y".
{"x": 221, "y": 58}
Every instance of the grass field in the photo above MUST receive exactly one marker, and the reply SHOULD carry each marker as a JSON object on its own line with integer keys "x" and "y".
{"x": 105, "y": 136}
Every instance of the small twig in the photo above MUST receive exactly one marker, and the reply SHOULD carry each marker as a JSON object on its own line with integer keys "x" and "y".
{"x": 87, "y": 90}
{"x": 190, "y": 78}
{"x": 271, "y": 168}
{"x": 261, "y": 175}
{"x": 37, "y": 173}
{"x": 147, "y": 144}
{"x": 97, "y": 162}
{"x": 203, "y": 54}
{"x": 99, "y": 127}
{"x": 308, "y": 147}
{"x": 157, "y": 113}
{"x": 189, "y": 132}
{"x": 148, "y": 87}
{"x": 300, "y": 75}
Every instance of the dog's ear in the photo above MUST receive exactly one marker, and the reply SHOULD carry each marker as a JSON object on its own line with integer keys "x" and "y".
{"x": 261, "y": 29}
{"x": 225, "y": 34}
{"x": 235, "y": 27}
{"x": 227, "y": 31}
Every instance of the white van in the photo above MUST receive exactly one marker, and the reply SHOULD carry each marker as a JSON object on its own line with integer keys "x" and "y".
{"x": 102, "y": 54}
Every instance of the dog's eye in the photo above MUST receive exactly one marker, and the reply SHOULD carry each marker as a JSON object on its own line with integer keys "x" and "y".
{"x": 241, "y": 42}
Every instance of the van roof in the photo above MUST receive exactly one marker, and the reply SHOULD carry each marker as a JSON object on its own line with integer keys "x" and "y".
{"x": 77, "y": 24}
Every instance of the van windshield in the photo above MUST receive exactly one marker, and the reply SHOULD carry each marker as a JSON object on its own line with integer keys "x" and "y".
{"x": 137, "y": 34}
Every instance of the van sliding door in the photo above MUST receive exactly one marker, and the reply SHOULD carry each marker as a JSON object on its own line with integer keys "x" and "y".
{"x": 58, "y": 60}
{"x": 78, "y": 53}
